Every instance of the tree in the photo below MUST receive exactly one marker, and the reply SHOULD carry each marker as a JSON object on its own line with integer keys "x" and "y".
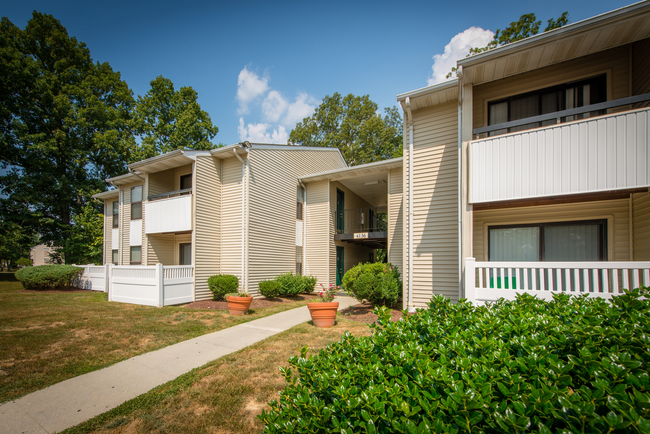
{"x": 63, "y": 120}
{"x": 527, "y": 25}
{"x": 353, "y": 125}
{"x": 166, "y": 120}
{"x": 15, "y": 243}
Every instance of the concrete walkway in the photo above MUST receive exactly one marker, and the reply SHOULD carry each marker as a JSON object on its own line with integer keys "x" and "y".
{"x": 66, "y": 404}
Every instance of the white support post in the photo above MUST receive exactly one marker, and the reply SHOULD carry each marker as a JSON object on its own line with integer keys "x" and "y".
{"x": 107, "y": 274}
{"x": 109, "y": 281}
{"x": 160, "y": 277}
{"x": 470, "y": 279}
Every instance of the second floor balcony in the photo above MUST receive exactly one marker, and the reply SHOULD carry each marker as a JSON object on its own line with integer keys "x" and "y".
{"x": 605, "y": 153}
{"x": 169, "y": 212}
{"x": 367, "y": 226}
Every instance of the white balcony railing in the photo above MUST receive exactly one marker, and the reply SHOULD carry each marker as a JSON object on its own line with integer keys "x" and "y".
{"x": 168, "y": 215}
{"x": 605, "y": 153}
{"x": 489, "y": 281}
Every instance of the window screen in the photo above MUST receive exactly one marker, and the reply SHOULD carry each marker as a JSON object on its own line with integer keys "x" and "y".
{"x": 136, "y": 202}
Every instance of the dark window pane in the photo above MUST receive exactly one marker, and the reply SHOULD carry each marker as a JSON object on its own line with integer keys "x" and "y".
{"x": 136, "y": 211}
{"x": 136, "y": 255}
{"x": 185, "y": 254}
{"x": 299, "y": 211}
{"x": 116, "y": 257}
{"x": 186, "y": 182}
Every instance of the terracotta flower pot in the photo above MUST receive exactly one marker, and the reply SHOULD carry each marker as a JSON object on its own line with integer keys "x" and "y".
{"x": 238, "y": 305}
{"x": 323, "y": 314}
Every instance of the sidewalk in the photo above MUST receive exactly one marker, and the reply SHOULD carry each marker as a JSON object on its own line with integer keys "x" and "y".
{"x": 78, "y": 399}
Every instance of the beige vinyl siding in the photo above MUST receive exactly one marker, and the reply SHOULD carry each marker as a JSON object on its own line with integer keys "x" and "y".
{"x": 231, "y": 218}
{"x": 181, "y": 239}
{"x": 161, "y": 182}
{"x": 435, "y": 203}
{"x": 160, "y": 249}
{"x": 616, "y": 211}
{"x": 318, "y": 231}
{"x": 125, "y": 219}
{"x": 273, "y": 183}
{"x": 641, "y": 219}
{"x": 395, "y": 217}
{"x": 180, "y": 171}
{"x": 206, "y": 251}
{"x": 614, "y": 62}
{"x": 641, "y": 70}
{"x": 353, "y": 254}
{"x": 108, "y": 231}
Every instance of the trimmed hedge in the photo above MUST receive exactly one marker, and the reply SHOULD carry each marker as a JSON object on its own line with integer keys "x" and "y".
{"x": 308, "y": 283}
{"x": 269, "y": 288}
{"x": 48, "y": 276}
{"x": 222, "y": 284}
{"x": 377, "y": 282}
{"x": 294, "y": 284}
{"x": 574, "y": 364}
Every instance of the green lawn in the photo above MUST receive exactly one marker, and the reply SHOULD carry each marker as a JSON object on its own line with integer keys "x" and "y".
{"x": 224, "y": 396}
{"x": 49, "y": 337}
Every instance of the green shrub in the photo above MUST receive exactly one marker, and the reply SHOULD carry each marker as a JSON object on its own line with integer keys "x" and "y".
{"x": 378, "y": 283}
{"x": 222, "y": 284}
{"x": 290, "y": 284}
{"x": 24, "y": 262}
{"x": 269, "y": 288}
{"x": 48, "y": 276}
{"x": 308, "y": 283}
{"x": 573, "y": 364}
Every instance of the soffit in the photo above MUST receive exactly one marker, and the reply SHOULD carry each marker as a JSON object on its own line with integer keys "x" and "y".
{"x": 355, "y": 171}
{"x": 431, "y": 95}
{"x": 375, "y": 194}
{"x": 600, "y": 33}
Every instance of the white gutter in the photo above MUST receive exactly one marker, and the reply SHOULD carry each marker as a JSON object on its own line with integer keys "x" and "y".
{"x": 410, "y": 305}
{"x": 460, "y": 181}
{"x": 243, "y": 218}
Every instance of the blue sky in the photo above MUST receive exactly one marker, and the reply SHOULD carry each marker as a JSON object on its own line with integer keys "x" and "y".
{"x": 259, "y": 67}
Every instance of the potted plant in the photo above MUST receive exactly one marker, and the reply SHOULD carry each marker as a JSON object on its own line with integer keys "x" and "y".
{"x": 323, "y": 309}
{"x": 239, "y": 302}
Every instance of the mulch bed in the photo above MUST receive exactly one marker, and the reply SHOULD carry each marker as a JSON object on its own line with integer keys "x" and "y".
{"x": 363, "y": 313}
{"x": 256, "y": 304}
{"x": 71, "y": 289}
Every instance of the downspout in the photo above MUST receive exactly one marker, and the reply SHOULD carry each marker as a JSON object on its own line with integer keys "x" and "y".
{"x": 243, "y": 217}
{"x": 409, "y": 118}
{"x": 460, "y": 181}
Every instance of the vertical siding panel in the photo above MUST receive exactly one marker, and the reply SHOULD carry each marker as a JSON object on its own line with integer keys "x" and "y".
{"x": 207, "y": 240}
{"x": 396, "y": 218}
{"x": 576, "y": 160}
{"x": 231, "y": 217}
{"x": 317, "y": 231}
{"x": 641, "y": 219}
{"x": 435, "y": 202}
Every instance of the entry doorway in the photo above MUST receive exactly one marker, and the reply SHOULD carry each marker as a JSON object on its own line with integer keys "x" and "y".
{"x": 185, "y": 254}
{"x": 340, "y": 260}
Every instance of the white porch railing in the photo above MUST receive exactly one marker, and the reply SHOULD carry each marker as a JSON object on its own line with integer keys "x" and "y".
{"x": 155, "y": 285}
{"x": 168, "y": 215}
{"x": 489, "y": 281}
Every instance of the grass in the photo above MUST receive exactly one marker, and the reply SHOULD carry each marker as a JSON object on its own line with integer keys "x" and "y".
{"x": 224, "y": 396}
{"x": 46, "y": 338}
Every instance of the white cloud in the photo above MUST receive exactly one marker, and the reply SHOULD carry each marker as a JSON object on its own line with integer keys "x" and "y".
{"x": 274, "y": 106}
{"x": 303, "y": 106}
{"x": 457, "y": 49}
{"x": 249, "y": 87}
{"x": 258, "y": 133}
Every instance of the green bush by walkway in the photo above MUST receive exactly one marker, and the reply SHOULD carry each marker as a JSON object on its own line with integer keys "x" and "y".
{"x": 569, "y": 365}
{"x": 48, "y": 276}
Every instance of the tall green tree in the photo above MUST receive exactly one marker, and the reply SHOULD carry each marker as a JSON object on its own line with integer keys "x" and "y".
{"x": 63, "y": 120}
{"x": 15, "y": 243}
{"x": 352, "y": 124}
{"x": 166, "y": 119}
{"x": 527, "y": 25}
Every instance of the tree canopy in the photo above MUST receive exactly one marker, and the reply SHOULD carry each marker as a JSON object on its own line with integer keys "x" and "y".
{"x": 354, "y": 125}
{"x": 67, "y": 123}
{"x": 526, "y": 26}
{"x": 166, "y": 119}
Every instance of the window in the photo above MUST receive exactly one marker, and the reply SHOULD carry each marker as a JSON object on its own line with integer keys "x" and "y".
{"x": 185, "y": 254}
{"x": 300, "y": 201}
{"x": 115, "y": 257}
{"x": 116, "y": 214}
{"x": 549, "y": 100}
{"x": 136, "y": 255}
{"x": 186, "y": 182}
{"x": 136, "y": 202}
{"x": 299, "y": 260}
{"x": 562, "y": 241}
